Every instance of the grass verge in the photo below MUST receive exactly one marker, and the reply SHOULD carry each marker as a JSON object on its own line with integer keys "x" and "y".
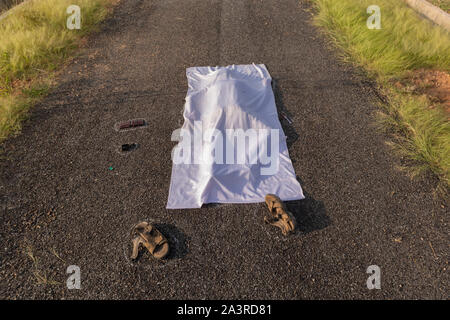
{"x": 404, "y": 44}
{"x": 443, "y": 4}
{"x": 34, "y": 41}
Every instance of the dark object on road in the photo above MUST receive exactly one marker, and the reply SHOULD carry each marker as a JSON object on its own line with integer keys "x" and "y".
{"x": 280, "y": 217}
{"x": 152, "y": 239}
{"x": 131, "y": 124}
{"x": 285, "y": 116}
{"x": 129, "y": 147}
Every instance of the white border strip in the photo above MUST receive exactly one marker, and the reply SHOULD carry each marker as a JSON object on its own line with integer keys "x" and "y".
{"x": 432, "y": 12}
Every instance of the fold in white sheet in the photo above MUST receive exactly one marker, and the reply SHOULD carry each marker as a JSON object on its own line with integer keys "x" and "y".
{"x": 230, "y": 98}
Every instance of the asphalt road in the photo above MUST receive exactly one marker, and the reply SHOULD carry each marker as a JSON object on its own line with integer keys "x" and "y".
{"x": 61, "y": 202}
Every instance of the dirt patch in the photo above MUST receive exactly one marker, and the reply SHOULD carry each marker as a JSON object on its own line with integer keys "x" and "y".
{"x": 434, "y": 83}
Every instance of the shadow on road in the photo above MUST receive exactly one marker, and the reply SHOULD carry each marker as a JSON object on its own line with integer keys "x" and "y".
{"x": 310, "y": 213}
{"x": 177, "y": 240}
{"x": 289, "y": 130}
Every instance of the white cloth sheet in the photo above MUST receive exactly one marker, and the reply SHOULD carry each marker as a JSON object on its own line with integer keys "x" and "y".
{"x": 210, "y": 165}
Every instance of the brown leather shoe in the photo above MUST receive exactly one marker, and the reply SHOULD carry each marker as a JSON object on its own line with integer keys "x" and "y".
{"x": 152, "y": 239}
{"x": 280, "y": 217}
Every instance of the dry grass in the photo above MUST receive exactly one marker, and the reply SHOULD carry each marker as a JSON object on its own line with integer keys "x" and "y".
{"x": 40, "y": 275}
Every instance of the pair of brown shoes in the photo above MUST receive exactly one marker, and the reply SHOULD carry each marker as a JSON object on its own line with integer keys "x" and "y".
{"x": 158, "y": 246}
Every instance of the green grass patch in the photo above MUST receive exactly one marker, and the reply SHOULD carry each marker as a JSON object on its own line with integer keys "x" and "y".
{"x": 443, "y": 4}
{"x": 34, "y": 42}
{"x": 405, "y": 43}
